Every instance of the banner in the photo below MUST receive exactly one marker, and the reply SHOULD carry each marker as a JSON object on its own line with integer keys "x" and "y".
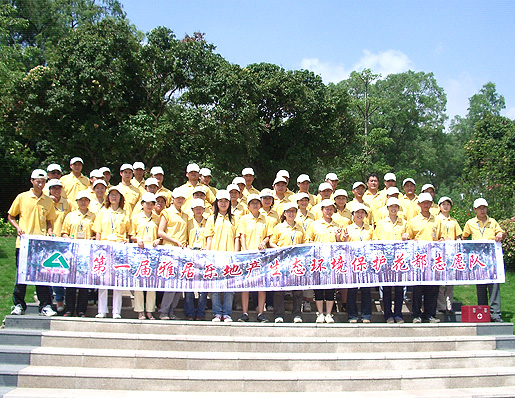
{"x": 90, "y": 263}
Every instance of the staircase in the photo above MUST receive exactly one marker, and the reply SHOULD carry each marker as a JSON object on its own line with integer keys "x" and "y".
{"x": 87, "y": 357}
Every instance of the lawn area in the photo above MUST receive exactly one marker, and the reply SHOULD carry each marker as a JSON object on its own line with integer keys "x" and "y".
{"x": 464, "y": 293}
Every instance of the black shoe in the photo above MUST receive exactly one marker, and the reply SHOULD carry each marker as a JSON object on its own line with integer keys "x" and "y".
{"x": 243, "y": 318}
{"x": 262, "y": 318}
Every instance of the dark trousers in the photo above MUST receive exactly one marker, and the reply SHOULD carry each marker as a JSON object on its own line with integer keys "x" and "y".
{"x": 20, "y": 290}
{"x": 76, "y": 300}
{"x": 397, "y": 301}
{"x": 366, "y": 303}
{"x": 279, "y": 303}
{"x": 490, "y": 294}
{"x": 430, "y": 295}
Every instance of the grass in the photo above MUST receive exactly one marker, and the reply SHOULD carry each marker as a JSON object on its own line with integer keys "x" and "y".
{"x": 8, "y": 276}
{"x": 464, "y": 293}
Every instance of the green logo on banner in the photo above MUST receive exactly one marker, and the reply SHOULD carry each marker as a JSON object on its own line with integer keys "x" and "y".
{"x": 56, "y": 260}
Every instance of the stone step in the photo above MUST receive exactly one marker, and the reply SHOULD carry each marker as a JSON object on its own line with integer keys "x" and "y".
{"x": 258, "y": 381}
{"x": 256, "y": 361}
{"x": 10, "y": 354}
{"x": 9, "y": 374}
{"x": 20, "y": 337}
{"x": 55, "y": 338}
{"x": 480, "y": 392}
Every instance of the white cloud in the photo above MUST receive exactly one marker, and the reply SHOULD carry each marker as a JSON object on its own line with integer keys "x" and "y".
{"x": 458, "y": 91}
{"x": 509, "y": 113}
{"x": 383, "y": 62}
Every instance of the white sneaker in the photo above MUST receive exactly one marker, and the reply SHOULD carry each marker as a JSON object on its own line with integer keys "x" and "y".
{"x": 297, "y": 319}
{"x": 117, "y": 316}
{"x": 217, "y": 318}
{"x": 47, "y": 311}
{"x": 320, "y": 318}
{"x": 227, "y": 318}
{"x": 279, "y": 319}
{"x": 329, "y": 318}
{"x": 17, "y": 310}
{"x": 100, "y": 315}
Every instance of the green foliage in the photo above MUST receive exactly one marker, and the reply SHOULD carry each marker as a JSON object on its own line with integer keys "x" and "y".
{"x": 6, "y": 229}
{"x": 508, "y": 243}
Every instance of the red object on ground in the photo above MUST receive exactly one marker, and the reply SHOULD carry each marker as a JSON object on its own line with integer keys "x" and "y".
{"x": 475, "y": 313}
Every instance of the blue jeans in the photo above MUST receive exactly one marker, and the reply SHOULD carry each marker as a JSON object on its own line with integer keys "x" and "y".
{"x": 366, "y": 303}
{"x": 189, "y": 304}
{"x": 397, "y": 302}
{"x": 59, "y": 293}
{"x": 217, "y": 303}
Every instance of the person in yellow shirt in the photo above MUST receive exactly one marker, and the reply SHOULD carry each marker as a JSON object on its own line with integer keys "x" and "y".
{"x": 238, "y": 210}
{"x": 303, "y": 182}
{"x": 35, "y": 213}
{"x": 267, "y": 201}
{"x": 193, "y": 175}
{"x": 112, "y": 223}
{"x": 158, "y": 173}
{"x": 200, "y": 193}
{"x": 144, "y": 228}
{"x": 379, "y": 213}
{"x": 343, "y": 215}
{"x": 415, "y": 209}
{"x": 129, "y": 191}
{"x": 97, "y": 201}
{"x": 75, "y": 181}
{"x": 249, "y": 176}
{"x": 483, "y": 227}
{"x": 359, "y": 230}
{"x": 106, "y": 172}
{"x": 304, "y": 216}
{"x": 287, "y": 233}
{"x": 425, "y": 226}
{"x": 160, "y": 203}
{"x": 221, "y": 235}
{"x": 173, "y": 226}
{"x": 286, "y": 175}
{"x": 410, "y": 196}
{"x": 324, "y": 230}
{"x": 196, "y": 241}
{"x": 54, "y": 172}
{"x": 138, "y": 181}
{"x": 280, "y": 195}
{"x": 451, "y": 231}
{"x": 391, "y": 228}
{"x": 78, "y": 225}
{"x": 358, "y": 189}
{"x": 325, "y": 191}
{"x": 151, "y": 185}
{"x": 372, "y": 188}
{"x": 240, "y": 182}
{"x": 253, "y": 230}
{"x": 205, "y": 179}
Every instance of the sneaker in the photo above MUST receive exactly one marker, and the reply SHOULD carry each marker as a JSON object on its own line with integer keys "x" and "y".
{"x": 329, "y": 318}
{"x": 353, "y": 320}
{"x": 117, "y": 316}
{"x": 47, "y": 311}
{"x": 164, "y": 317}
{"x": 390, "y": 320}
{"x": 227, "y": 318}
{"x": 217, "y": 318}
{"x": 417, "y": 320}
{"x": 67, "y": 314}
{"x": 399, "y": 320}
{"x": 306, "y": 307}
{"x": 60, "y": 306}
{"x": 320, "y": 318}
{"x": 262, "y": 318}
{"x": 297, "y": 319}
{"x": 17, "y": 310}
{"x": 366, "y": 320}
{"x": 100, "y": 315}
{"x": 432, "y": 319}
{"x": 279, "y": 319}
{"x": 243, "y": 318}
{"x": 81, "y": 315}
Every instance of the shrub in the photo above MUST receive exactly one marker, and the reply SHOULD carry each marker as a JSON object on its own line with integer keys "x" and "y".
{"x": 508, "y": 244}
{"x": 6, "y": 229}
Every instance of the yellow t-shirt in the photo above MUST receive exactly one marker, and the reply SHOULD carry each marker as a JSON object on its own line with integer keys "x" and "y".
{"x": 272, "y": 215}
{"x": 79, "y": 226}
{"x": 450, "y": 227}
{"x": 321, "y": 231}
{"x": 285, "y": 235}
{"x": 188, "y": 192}
{"x": 176, "y": 225}
{"x": 387, "y": 230}
{"x": 381, "y": 213}
{"x": 239, "y": 211}
{"x": 62, "y": 208}
{"x": 33, "y": 213}
{"x": 481, "y": 231}
{"x": 422, "y": 228}
{"x": 357, "y": 234}
{"x": 254, "y": 229}
{"x": 415, "y": 209}
{"x": 73, "y": 185}
{"x": 168, "y": 194}
{"x": 131, "y": 196}
{"x": 196, "y": 238}
{"x": 140, "y": 185}
{"x": 112, "y": 225}
{"x": 343, "y": 217}
{"x": 279, "y": 204}
{"x": 223, "y": 232}
{"x": 305, "y": 220}
{"x": 145, "y": 228}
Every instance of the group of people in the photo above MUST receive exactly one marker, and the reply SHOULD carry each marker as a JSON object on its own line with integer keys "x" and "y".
{"x": 197, "y": 216}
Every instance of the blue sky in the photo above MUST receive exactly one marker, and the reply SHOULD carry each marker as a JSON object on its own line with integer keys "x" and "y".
{"x": 464, "y": 43}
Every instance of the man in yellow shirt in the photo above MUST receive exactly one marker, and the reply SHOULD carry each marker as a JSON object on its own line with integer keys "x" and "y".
{"x": 106, "y": 171}
{"x": 415, "y": 209}
{"x": 325, "y": 191}
{"x": 280, "y": 187}
{"x": 139, "y": 176}
{"x": 158, "y": 173}
{"x": 372, "y": 188}
{"x": 75, "y": 181}
{"x": 358, "y": 189}
{"x": 410, "y": 196}
{"x": 205, "y": 179}
{"x": 193, "y": 175}
{"x": 425, "y": 226}
{"x": 342, "y": 216}
{"x": 35, "y": 212}
{"x": 249, "y": 176}
{"x": 130, "y": 193}
{"x": 483, "y": 227}
{"x": 286, "y": 175}
{"x": 303, "y": 182}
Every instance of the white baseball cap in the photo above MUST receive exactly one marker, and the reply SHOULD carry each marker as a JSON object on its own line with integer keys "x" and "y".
{"x": 424, "y": 196}
{"x": 54, "y": 167}
{"x": 392, "y": 201}
{"x": 358, "y": 184}
{"x": 75, "y": 160}
{"x": 290, "y": 205}
{"x": 238, "y": 180}
{"x": 340, "y": 192}
{"x": 99, "y": 182}
{"x": 443, "y": 199}
{"x": 198, "y": 203}
{"x": 96, "y": 173}
{"x": 327, "y": 203}
{"x": 280, "y": 179}
{"x": 199, "y": 188}
{"x": 324, "y": 186}
{"x": 480, "y": 202}
{"x": 115, "y": 188}
{"x": 266, "y": 192}
{"x": 331, "y": 176}
{"x": 148, "y": 197}
{"x": 301, "y": 195}
{"x": 126, "y": 166}
{"x": 38, "y": 173}
{"x": 178, "y": 193}
{"x": 253, "y": 196}
{"x": 283, "y": 173}
{"x": 360, "y": 206}
{"x": 138, "y": 165}
{"x": 223, "y": 194}
{"x": 389, "y": 177}
{"x": 302, "y": 178}
{"x": 392, "y": 191}
{"x": 204, "y": 171}
{"x": 151, "y": 181}
{"x": 83, "y": 195}
{"x": 247, "y": 170}
{"x": 105, "y": 170}
{"x": 231, "y": 187}
{"x": 426, "y": 186}
{"x": 408, "y": 180}
{"x": 54, "y": 183}
{"x": 192, "y": 167}
{"x": 157, "y": 170}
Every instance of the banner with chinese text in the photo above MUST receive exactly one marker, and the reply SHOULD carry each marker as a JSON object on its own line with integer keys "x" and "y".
{"x": 90, "y": 263}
